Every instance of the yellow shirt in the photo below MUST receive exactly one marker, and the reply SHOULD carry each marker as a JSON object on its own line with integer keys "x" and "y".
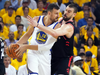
{"x": 83, "y": 30}
{"x": 8, "y": 20}
{"x": 3, "y": 11}
{"x": 5, "y": 33}
{"x": 54, "y": 1}
{"x": 86, "y": 68}
{"x": 17, "y": 64}
{"x": 86, "y": 36}
{"x": 37, "y": 12}
{"x": 80, "y": 15}
{"x": 75, "y": 51}
{"x": 21, "y": 13}
{"x": 93, "y": 63}
{"x": 60, "y": 14}
{"x": 16, "y": 34}
{"x": 93, "y": 49}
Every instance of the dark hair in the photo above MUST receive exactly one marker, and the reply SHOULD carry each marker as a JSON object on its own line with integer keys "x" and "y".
{"x": 1, "y": 18}
{"x": 20, "y": 25}
{"x": 73, "y": 6}
{"x": 88, "y": 40}
{"x": 44, "y": 11}
{"x": 25, "y": 7}
{"x": 90, "y": 18}
{"x": 82, "y": 48}
{"x": 81, "y": 54}
{"x": 18, "y": 16}
{"x": 90, "y": 28}
{"x": 1, "y": 22}
{"x": 52, "y": 6}
{"x": 0, "y": 27}
{"x": 85, "y": 4}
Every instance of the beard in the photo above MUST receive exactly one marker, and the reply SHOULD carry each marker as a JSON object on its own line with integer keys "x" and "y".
{"x": 65, "y": 18}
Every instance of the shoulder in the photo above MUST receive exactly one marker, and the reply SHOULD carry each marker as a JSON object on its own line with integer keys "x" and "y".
{"x": 10, "y": 66}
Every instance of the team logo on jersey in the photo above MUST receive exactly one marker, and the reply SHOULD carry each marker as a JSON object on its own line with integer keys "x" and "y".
{"x": 41, "y": 37}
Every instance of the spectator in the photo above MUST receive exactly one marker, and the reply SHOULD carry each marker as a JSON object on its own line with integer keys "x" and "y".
{"x": 98, "y": 71}
{"x": 14, "y": 3}
{"x": 72, "y": 1}
{"x": 80, "y": 14}
{"x": 83, "y": 21}
{"x": 22, "y": 70}
{"x": 85, "y": 65}
{"x": 9, "y": 18}
{"x": 19, "y": 33}
{"x": 91, "y": 47}
{"x": 32, "y": 4}
{"x": 4, "y": 31}
{"x": 45, "y": 4}
{"x": 1, "y": 19}
{"x": 2, "y": 4}
{"x": 61, "y": 6}
{"x": 24, "y": 20}
{"x": 81, "y": 50}
{"x": 76, "y": 68}
{"x": 44, "y": 12}
{"x": 5, "y": 9}
{"x": 39, "y": 10}
{"x": 98, "y": 55}
{"x": 17, "y": 21}
{"x": 16, "y": 63}
{"x": 10, "y": 70}
{"x": 89, "y": 24}
{"x": 92, "y": 4}
{"x": 87, "y": 35}
{"x": 11, "y": 39}
{"x": 92, "y": 63}
{"x": 20, "y": 9}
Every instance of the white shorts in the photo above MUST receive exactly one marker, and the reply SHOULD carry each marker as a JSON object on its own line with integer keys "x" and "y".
{"x": 39, "y": 63}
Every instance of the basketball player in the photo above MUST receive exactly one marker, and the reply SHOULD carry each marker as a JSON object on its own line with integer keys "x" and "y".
{"x": 62, "y": 50}
{"x": 39, "y": 55}
{"x": 2, "y": 67}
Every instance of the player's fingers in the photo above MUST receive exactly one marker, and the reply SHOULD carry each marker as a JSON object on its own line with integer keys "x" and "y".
{"x": 18, "y": 53}
{"x": 17, "y": 49}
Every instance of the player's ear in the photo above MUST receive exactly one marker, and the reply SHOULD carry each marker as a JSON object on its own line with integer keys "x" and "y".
{"x": 74, "y": 14}
{"x": 49, "y": 12}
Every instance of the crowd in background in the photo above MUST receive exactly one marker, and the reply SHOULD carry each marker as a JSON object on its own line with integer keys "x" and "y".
{"x": 13, "y": 19}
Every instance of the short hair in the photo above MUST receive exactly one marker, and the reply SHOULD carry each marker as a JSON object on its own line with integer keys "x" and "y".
{"x": 81, "y": 54}
{"x": 91, "y": 39}
{"x": 0, "y": 27}
{"x": 1, "y": 18}
{"x": 90, "y": 18}
{"x": 18, "y": 16}
{"x": 52, "y": 6}
{"x": 81, "y": 48}
{"x": 1, "y": 22}
{"x": 73, "y": 5}
{"x": 20, "y": 25}
{"x": 90, "y": 28}
{"x": 6, "y": 3}
{"x": 25, "y": 7}
{"x": 85, "y": 4}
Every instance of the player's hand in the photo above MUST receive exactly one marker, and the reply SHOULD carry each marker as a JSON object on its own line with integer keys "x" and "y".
{"x": 20, "y": 50}
{"x": 32, "y": 21}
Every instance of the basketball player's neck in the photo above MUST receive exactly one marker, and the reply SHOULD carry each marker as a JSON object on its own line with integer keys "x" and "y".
{"x": 47, "y": 21}
{"x": 11, "y": 40}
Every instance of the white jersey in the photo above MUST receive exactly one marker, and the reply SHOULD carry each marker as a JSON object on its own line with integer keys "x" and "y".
{"x": 39, "y": 61}
{"x": 42, "y": 39}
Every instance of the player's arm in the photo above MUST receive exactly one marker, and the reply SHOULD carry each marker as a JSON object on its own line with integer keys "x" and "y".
{"x": 65, "y": 29}
{"x": 26, "y": 36}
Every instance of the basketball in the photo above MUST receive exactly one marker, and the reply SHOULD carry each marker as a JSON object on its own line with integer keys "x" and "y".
{"x": 10, "y": 50}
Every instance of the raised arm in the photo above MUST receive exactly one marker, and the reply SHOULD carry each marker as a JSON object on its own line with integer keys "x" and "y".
{"x": 65, "y": 29}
